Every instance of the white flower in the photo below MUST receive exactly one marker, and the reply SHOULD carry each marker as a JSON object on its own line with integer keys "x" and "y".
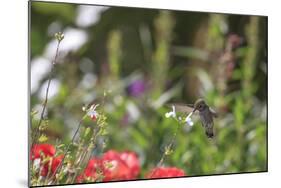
{"x": 92, "y": 112}
{"x": 172, "y": 113}
{"x": 188, "y": 120}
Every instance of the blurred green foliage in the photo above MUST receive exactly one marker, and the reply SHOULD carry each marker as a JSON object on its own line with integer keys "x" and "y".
{"x": 177, "y": 57}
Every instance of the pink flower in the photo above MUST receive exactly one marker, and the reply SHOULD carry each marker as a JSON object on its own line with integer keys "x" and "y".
{"x": 234, "y": 40}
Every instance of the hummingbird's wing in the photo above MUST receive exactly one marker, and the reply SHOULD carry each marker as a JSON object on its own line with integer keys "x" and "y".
{"x": 184, "y": 108}
{"x": 214, "y": 113}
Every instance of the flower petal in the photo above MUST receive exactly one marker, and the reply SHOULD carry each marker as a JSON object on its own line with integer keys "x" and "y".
{"x": 172, "y": 113}
{"x": 188, "y": 119}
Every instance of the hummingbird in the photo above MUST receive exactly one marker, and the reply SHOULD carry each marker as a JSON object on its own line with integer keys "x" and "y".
{"x": 206, "y": 114}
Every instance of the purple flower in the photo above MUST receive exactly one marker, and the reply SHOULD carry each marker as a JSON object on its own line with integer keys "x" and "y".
{"x": 136, "y": 88}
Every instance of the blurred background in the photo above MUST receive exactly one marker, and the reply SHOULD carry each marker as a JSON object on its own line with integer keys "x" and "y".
{"x": 145, "y": 58}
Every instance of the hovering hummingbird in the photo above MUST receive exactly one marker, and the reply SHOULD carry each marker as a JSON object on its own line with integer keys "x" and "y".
{"x": 206, "y": 114}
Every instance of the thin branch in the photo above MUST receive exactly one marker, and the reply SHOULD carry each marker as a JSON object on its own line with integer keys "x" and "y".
{"x": 92, "y": 142}
{"x": 85, "y": 155}
{"x": 68, "y": 146}
{"x": 37, "y": 131}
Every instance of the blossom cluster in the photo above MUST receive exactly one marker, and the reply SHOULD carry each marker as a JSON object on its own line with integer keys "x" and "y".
{"x": 43, "y": 158}
{"x": 111, "y": 166}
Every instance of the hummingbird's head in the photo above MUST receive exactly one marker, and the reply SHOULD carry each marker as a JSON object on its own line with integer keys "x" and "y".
{"x": 199, "y": 105}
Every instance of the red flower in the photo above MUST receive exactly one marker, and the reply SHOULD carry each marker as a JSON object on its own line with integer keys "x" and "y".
{"x": 47, "y": 149}
{"x": 80, "y": 178}
{"x": 92, "y": 167}
{"x": 94, "y": 117}
{"x": 113, "y": 165}
{"x": 90, "y": 170}
{"x": 53, "y": 163}
{"x": 132, "y": 162}
{"x": 45, "y": 163}
{"x": 165, "y": 172}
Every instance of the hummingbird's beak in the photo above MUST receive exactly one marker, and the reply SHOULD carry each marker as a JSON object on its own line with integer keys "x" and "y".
{"x": 192, "y": 106}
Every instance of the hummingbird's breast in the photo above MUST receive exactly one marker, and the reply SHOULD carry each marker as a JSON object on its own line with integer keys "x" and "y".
{"x": 206, "y": 117}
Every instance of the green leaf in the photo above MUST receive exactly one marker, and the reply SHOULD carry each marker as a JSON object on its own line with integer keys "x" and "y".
{"x": 191, "y": 52}
{"x": 87, "y": 131}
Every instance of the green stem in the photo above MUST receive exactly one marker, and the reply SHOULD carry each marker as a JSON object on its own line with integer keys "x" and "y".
{"x": 68, "y": 146}
{"x": 161, "y": 161}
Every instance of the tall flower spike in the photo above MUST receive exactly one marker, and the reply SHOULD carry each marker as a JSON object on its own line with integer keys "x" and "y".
{"x": 171, "y": 113}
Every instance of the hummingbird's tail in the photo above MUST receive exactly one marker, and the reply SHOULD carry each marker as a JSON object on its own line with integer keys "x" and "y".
{"x": 209, "y": 132}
